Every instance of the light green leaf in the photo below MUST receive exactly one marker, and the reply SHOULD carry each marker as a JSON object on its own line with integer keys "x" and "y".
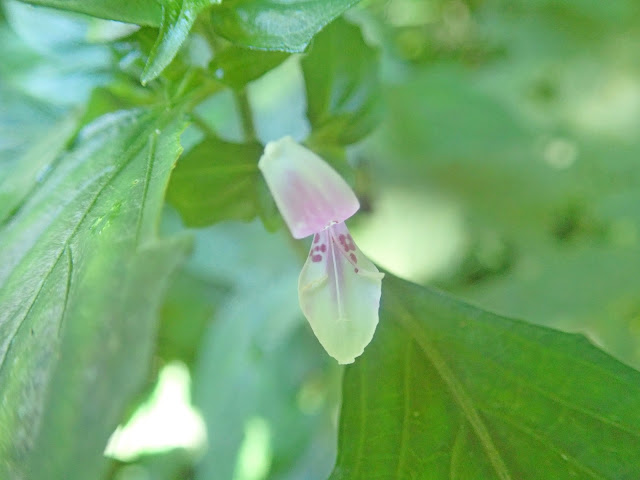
{"x": 24, "y": 172}
{"x": 245, "y": 368}
{"x": 447, "y": 391}
{"x": 341, "y": 79}
{"x": 215, "y": 181}
{"x": 550, "y": 205}
{"x": 81, "y": 276}
{"x": 178, "y": 17}
{"x": 142, "y": 12}
{"x": 285, "y": 25}
{"x": 188, "y": 308}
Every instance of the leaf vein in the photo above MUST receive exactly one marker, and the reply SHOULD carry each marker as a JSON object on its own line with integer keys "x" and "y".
{"x": 458, "y": 392}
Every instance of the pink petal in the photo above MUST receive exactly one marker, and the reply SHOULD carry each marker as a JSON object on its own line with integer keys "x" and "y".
{"x": 308, "y": 192}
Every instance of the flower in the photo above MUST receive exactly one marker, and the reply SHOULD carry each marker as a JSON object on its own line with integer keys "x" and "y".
{"x": 339, "y": 288}
{"x": 308, "y": 192}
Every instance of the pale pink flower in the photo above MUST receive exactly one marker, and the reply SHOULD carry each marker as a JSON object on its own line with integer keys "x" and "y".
{"x": 339, "y": 288}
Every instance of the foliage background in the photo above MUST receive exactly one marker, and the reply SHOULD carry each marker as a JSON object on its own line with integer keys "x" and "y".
{"x": 494, "y": 148}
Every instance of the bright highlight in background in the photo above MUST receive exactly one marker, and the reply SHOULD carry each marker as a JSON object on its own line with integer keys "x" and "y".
{"x": 254, "y": 458}
{"x": 412, "y": 234}
{"x": 165, "y": 422}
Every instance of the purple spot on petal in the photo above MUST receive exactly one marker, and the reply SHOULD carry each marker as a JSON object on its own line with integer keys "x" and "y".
{"x": 316, "y": 258}
{"x": 353, "y": 257}
{"x": 356, "y": 270}
{"x": 316, "y": 239}
{"x": 323, "y": 248}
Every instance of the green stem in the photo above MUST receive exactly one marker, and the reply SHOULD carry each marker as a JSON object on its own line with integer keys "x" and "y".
{"x": 246, "y": 116}
{"x": 204, "y": 126}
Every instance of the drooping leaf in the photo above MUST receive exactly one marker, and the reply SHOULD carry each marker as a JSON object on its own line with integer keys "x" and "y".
{"x": 283, "y": 25}
{"x": 340, "y": 74}
{"x": 449, "y": 391}
{"x": 214, "y": 181}
{"x": 81, "y": 275}
{"x": 141, "y": 12}
{"x": 236, "y": 66}
{"x": 178, "y": 17}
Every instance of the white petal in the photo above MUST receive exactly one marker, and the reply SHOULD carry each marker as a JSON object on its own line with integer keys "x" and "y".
{"x": 308, "y": 192}
{"x": 339, "y": 291}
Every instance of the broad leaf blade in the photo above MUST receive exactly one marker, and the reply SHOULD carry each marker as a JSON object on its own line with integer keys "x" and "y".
{"x": 341, "y": 79}
{"x": 141, "y": 12}
{"x": 215, "y": 181}
{"x": 283, "y": 25}
{"x": 449, "y": 391}
{"x": 81, "y": 274}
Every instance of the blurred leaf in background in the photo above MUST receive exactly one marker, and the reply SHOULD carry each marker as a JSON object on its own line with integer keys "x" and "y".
{"x": 535, "y": 140}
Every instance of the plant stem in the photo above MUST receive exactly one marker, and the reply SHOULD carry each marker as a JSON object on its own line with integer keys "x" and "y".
{"x": 246, "y": 116}
{"x": 204, "y": 126}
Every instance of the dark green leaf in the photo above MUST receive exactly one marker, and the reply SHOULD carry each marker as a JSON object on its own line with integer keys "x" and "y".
{"x": 81, "y": 276}
{"x": 341, "y": 79}
{"x": 215, "y": 181}
{"x": 142, "y": 12}
{"x": 237, "y": 66}
{"x": 449, "y": 391}
{"x": 285, "y": 25}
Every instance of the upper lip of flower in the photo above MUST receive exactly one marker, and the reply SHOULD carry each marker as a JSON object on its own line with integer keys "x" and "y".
{"x": 310, "y": 194}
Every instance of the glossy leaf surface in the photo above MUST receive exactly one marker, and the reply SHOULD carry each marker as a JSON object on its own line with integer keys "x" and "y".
{"x": 283, "y": 25}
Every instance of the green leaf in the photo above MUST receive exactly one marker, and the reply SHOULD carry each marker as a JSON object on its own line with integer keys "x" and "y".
{"x": 216, "y": 181}
{"x": 341, "y": 79}
{"x": 178, "y": 17}
{"x": 449, "y": 391}
{"x": 142, "y": 12}
{"x": 188, "y": 308}
{"x": 285, "y": 25}
{"x": 23, "y": 173}
{"x": 259, "y": 359}
{"x": 81, "y": 278}
{"x": 236, "y": 66}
